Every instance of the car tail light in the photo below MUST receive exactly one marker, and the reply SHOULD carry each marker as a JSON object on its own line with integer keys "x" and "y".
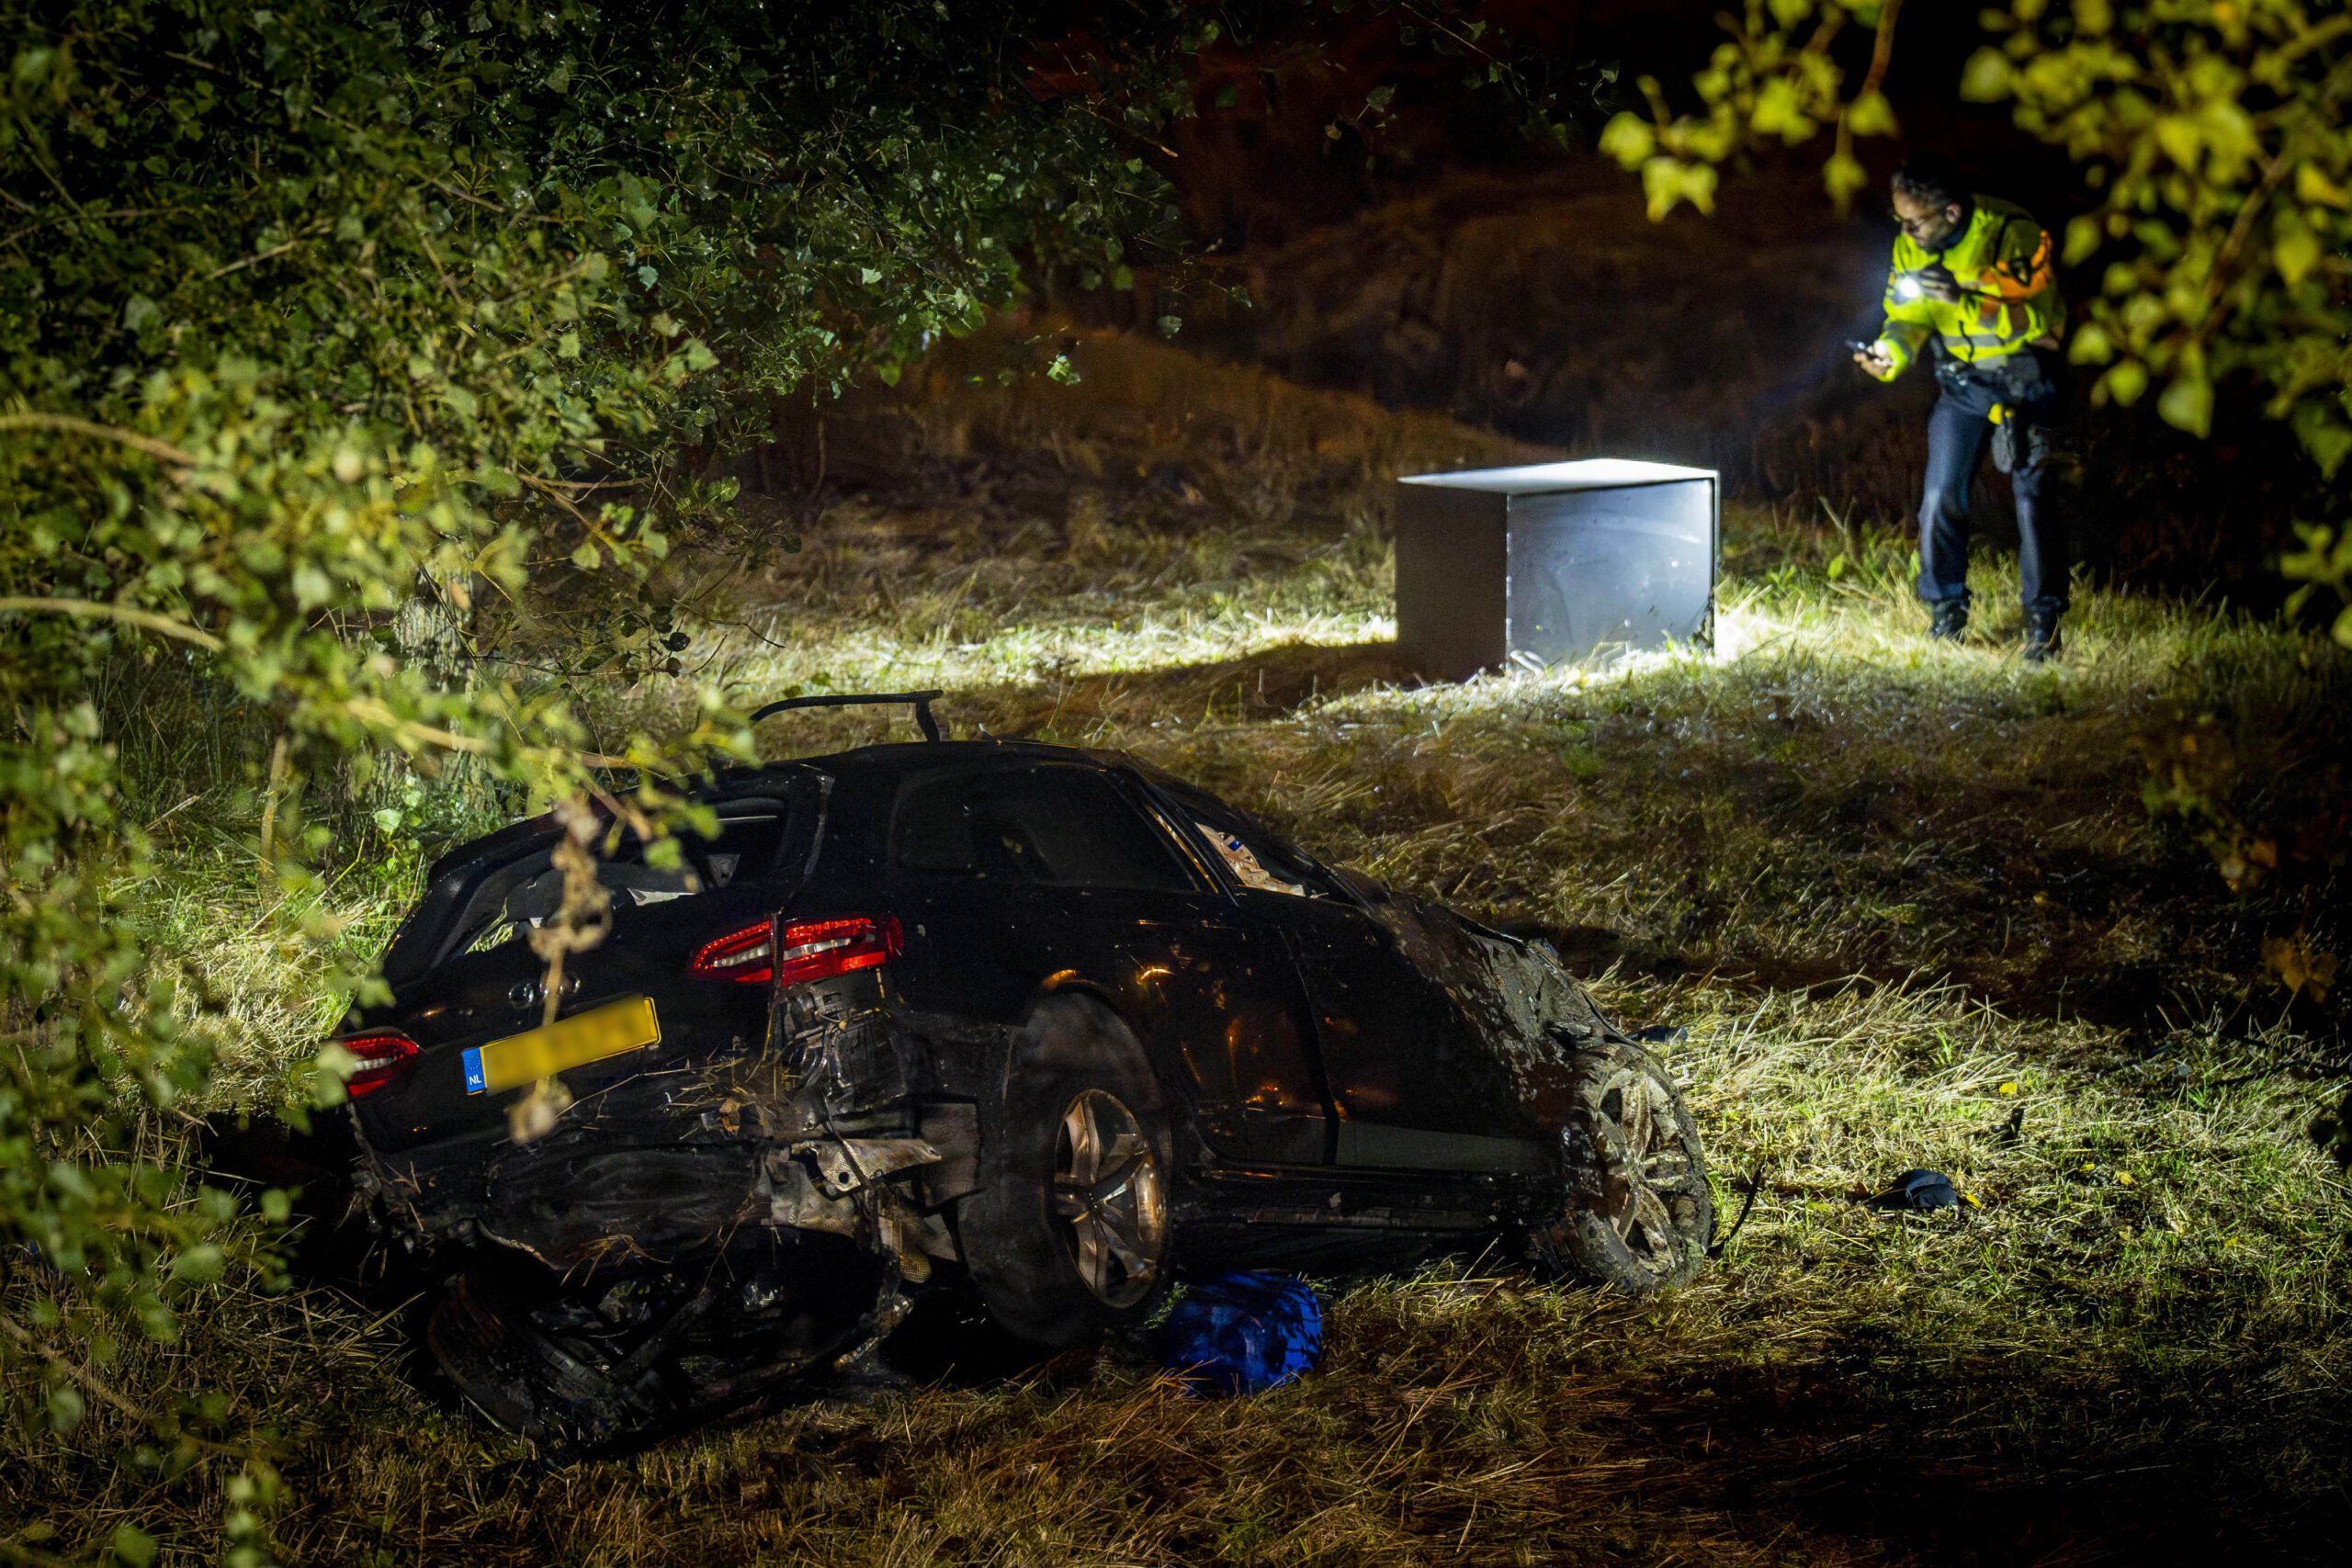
{"x": 380, "y": 1059}
{"x": 747, "y": 956}
{"x": 818, "y": 950}
{"x": 810, "y": 950}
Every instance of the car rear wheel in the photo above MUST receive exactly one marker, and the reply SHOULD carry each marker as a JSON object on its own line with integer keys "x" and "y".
{"x": 1066, "y": 1234}
{"x": 1639, "y": 1213}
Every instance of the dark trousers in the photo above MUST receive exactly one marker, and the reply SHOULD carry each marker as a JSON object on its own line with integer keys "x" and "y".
{"x": 1957, "y": 434}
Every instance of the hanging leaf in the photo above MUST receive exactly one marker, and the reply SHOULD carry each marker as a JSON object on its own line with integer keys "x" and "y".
{"x": 1872, "y": 115}
{"x": 2295, "y": 252}
{"x": 1629, "y": 139}
{"x": 1988, "y": 76}
{"x": 2188, "y": 403}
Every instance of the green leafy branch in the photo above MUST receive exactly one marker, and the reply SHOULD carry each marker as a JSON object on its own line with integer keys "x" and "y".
{"x": 335, "y": 335}
{"x": 1775, "y": 81}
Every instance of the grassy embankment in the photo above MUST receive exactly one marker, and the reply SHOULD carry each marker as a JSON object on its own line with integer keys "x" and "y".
{"x": 1905, "y": 897}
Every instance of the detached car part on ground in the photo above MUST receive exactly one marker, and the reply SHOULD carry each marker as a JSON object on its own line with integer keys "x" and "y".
{"x": 1031, "y": 1026}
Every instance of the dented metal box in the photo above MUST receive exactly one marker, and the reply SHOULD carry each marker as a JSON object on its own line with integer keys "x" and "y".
{"x": 1554, "y": 563}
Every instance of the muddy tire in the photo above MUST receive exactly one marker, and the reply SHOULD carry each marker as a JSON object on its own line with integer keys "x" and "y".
{"x": 1639, "y": 1213}
{"x": 1066, "y": 1234}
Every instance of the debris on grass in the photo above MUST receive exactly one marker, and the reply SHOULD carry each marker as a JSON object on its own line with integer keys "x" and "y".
{"x": 1243, "y": 1333}
{"x": 1896, "y": 892}
{"x": 1920, "y": 1191}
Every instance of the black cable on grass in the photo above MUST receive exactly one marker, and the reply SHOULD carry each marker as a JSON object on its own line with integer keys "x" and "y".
{"x": 1755, "y": 1185}
{"x": 2327, "y": 1069}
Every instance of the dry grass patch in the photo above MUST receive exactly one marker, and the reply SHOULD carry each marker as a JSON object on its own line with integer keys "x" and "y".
{"x": 1904, "y": 897}
{"x": 2138, "y": 1335}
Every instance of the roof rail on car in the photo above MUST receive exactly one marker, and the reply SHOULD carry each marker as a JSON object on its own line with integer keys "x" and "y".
{"x": 921, "y": 700}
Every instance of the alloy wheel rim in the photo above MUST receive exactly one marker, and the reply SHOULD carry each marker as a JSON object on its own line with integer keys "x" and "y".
{"x": 1108, "y": 1198}
{"x": 1656, "y": 1167}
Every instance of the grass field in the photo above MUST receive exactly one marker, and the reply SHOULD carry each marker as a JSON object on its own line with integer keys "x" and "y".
{"x": 1905, "y": 899}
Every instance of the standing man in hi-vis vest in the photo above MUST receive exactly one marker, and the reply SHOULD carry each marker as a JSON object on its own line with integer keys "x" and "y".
{"x": 1974, "y": 282}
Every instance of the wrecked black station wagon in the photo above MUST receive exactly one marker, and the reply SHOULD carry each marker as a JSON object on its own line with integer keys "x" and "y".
{"x": 1029, "y": 1026}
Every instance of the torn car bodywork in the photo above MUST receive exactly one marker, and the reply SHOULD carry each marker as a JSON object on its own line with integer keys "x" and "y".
{"x": 841, "y": 981}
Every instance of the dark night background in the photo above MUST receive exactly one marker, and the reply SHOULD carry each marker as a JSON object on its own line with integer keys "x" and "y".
{"x": 2065, "y": 931}
{"x": 1447, "y": 263}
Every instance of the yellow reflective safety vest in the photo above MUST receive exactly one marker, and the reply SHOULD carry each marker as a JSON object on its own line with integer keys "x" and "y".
{"x": 2006, "y": 270}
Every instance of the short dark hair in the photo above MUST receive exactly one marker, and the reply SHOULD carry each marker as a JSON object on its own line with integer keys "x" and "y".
{"x": 1932, "y": 178}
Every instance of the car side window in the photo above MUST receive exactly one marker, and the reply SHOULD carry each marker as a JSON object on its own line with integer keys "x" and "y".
{"x": 1256, "y": 857}
{"x": 1056, "y": 827}
{"x": 1243, "y": 861}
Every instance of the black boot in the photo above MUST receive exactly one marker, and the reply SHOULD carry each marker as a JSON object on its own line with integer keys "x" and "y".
{"x": 2041, "y": 636}
{"x": 1946, "y": 618}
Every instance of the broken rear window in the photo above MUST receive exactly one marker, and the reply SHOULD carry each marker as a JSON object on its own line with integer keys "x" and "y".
{"x": 750, "y": 836}
{"x": 476, "y": 906}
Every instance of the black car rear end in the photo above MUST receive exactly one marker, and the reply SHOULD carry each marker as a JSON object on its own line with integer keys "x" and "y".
{"x": 624, "y": 1271}
{"x": 465, "y": 976}
{"x": 1018, "y": 1027}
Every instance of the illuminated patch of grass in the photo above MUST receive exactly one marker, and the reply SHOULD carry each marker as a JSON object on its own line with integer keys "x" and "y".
{"x": 275, "y": 972}
{"x": 2142, "y": 1317}
{"x": 1903, "y": 895}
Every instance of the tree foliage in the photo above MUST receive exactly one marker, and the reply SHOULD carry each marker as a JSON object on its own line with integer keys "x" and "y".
{"x": 2216, "y": 137}
{"x": 1779, "y": 78}
{"x": 312, "y": 314}
{"x": 335, "y": 333}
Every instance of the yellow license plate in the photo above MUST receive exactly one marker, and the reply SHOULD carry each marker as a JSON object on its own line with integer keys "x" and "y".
{"x": 614, "y": 1030}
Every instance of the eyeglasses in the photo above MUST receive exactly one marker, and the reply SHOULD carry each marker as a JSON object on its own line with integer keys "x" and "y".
{"x": 1923, "y": 224}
